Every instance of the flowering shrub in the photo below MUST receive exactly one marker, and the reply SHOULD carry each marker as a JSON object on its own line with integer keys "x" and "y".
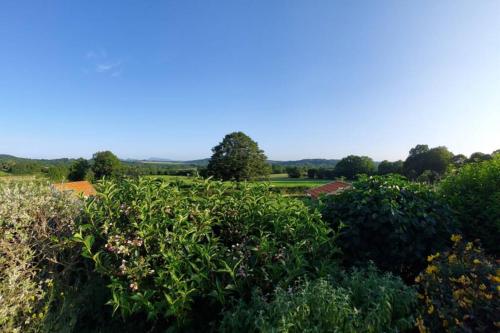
{"x": 460, "y": 290}
{"x": 33, "y": 222}
{"x": 168, "y": 248}
{"x": 390, "y": 221}
{"x": 361, "y": 301}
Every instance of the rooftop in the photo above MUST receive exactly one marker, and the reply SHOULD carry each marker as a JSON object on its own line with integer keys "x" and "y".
{"x": 330, "y": 188}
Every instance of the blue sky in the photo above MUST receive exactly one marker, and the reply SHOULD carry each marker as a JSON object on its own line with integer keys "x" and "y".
{"x": 305, "y": 79}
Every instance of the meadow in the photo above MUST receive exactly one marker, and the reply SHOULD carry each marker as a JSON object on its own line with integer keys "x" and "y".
{"x": 274, "y": 180}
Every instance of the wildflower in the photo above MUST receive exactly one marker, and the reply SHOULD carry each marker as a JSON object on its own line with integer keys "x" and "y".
{"x": 421, "y": 325}
{"x": 456, "y": 238}
{"x": 431, "y": 269}
{"x": 432, "y": 257}
{"x": 452, "y": 258}
{"x": 468, "y": 247}
{"x": 431, "y": 309}
{"x": 464, "y": 280}
{"x": 482, "y": 286}
{"x": 476, "y": 261}
{"x": 495, "y": 279}
{"x": 418, "y": 278}
{"x": 488, "y": 296}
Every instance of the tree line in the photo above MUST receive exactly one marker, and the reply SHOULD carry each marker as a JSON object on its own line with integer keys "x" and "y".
{"x": 237, "y": 157}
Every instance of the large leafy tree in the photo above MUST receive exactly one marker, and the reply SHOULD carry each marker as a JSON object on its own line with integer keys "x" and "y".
{"x": 106, "y": 164}
{"x": 79, "y": 170}
{"x": 478, "y": 157}
{"x": 238, "y": 158}
{"x": 421, "y": 158}
{"x": 353, "y": 165}
{"x": 385, "y": 167}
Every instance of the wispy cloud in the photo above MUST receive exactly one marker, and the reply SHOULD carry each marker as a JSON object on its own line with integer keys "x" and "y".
{"x": 102, "y": 64}
{"x": 106, "y": 67}
{"x": 93, "y": 54}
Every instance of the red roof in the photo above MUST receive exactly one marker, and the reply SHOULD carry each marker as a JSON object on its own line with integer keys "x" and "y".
{"x": 81, "y": 187}
{"x": 330, "y": 188}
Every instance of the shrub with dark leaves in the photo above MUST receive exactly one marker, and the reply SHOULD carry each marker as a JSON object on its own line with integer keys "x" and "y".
{"x": 393, "y": 222}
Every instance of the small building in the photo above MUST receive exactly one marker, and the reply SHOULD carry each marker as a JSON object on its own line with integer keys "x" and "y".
{"x": 328, "y": 189}
{"x": 79, "y": 188}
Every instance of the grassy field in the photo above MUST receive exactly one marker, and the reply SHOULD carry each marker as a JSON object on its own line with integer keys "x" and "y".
{"x": 282, "y": 180}
{"x": 5, "y": 177}
{"x": 276, "y": 180}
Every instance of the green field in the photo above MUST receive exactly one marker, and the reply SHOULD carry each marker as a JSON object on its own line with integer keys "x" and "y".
{"x": 6, "y": 177}
{"x": 282, "y": 180}
{"x": 276, "y": 180}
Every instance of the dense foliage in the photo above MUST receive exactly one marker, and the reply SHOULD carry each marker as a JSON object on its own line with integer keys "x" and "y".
{"x": 391, "y": 221}
{"x": 80, "y": 170}
{"x": 237, "y": 157}
{"x": 421, "y": 159}
{"x": 295, "y": 172}
{"x": 474, "y": 193}
{"x": 105, "y": 164}
{"x": 460, "y": 289}
{"x": 353, "y": 165}
{"x": 34, "y": 221}
{"x": 386, "y": 167}
{"x": 362, "y": 301}
{"x": 171, "y": 248}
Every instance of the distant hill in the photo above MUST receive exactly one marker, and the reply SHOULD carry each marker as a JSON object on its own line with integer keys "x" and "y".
{"x": 6, "y": 157}
{"x": 159, "y": 159}
{"x": 311, "y": 162}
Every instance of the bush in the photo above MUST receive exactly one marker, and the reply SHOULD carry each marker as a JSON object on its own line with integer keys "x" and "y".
{"x": 474, "y": 193}
{"x": 362, "y": 301}
{"x": 391, "y": 221}
{"x": 180, "y": 251}
{"x": 460, "y": 290}
{"x": 34, "y": 221}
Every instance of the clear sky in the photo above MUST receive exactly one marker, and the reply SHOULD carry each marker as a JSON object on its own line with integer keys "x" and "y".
{"x": 305, "y": 79}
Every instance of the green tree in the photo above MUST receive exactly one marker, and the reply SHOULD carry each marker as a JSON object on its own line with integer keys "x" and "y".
{"x": 57, "y": 173}
{"x": 385, "y": 167}
{"x": 238, "y": 158}
{"x": 478, "y": 157}
{"x": 106, "y": 164}
{"x": 294, "y": 172}
{"x": 353, "y": 165}
{"x": 79, "y": 170}
{"x": 459, "y": 160}
{"x": 276, "y": 169}
{"x": 421, "y": 158}
{"x": 311, "y": 173}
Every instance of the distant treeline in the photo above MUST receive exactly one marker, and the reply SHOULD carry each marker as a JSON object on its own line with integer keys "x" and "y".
{"x": 422, "y": 164}
{"x": 78, "y": 169}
